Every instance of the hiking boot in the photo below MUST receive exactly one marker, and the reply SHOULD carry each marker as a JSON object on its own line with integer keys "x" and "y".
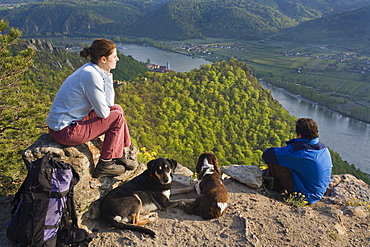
{"x": 277, "y": 186}
{"x": 107, "y": 168}
{"x": 268, "y": 182}
{"x": 128, "y": 164}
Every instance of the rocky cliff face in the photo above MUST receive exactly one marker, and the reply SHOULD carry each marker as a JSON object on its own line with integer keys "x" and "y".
{"x": 39, "y": 45}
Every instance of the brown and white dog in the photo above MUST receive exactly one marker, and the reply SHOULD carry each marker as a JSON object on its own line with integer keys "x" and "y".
{"x": 212, "y": 200}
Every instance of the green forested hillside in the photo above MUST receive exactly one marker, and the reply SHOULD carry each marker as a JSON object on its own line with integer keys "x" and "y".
{"x": 212, "y": 18}
{"x": 220, "y": 108}
{"x": 346, "y": 26}
{"x": 128, "y": 68}
{"x": 306, "y": 9}
{"x": 181, "y": 19}
{"x": 143, "y": 4}
{"x": 78, "y": 17}
{"x": 174, "y": 19}
{"x": 73, "y": 17}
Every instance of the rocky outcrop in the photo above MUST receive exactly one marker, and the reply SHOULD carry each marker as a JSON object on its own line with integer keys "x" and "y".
{"x": 39, "y": 45}
{"x": 346, "y": 188}
{"x": 49, "y": 46}
{"x": 68, "y": 64}
{"x": 342, "y": 189}
{"x": 83, "y": 158}
{"x": 57, "y": 65}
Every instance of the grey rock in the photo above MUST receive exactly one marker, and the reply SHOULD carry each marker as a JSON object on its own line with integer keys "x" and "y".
{"x": 57, "y": 64}
{"x": 49, "y": 46}
{"x": 68, "y": 64}
{"x": 346, "y": 187}
{"x": 249, "y": 175}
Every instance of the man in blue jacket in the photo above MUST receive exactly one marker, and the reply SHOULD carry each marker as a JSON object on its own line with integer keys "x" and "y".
{"x": 304, "y": 165}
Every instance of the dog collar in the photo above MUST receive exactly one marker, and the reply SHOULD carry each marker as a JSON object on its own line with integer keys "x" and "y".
{"x": 154, "y": 177}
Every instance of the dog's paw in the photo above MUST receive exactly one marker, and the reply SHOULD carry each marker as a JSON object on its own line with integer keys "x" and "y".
{"x": 153, "y": 216}
{"x": 193, "y": 182}
{"x": 152, "y": 219}
{"x": 119, "y": 218}
{"x": 181, "y": 204}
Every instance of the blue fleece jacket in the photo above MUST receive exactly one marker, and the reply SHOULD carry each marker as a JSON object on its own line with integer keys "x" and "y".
{"x": 310, "y": 164}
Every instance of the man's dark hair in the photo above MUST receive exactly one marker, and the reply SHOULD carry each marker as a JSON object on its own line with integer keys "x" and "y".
{"x": 307, "y": 128}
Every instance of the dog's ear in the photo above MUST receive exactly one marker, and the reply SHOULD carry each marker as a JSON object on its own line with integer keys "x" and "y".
{"x": 199, "y": 164}
{"x": 150, "y": 165}
{"x": 215, "y": 164}
{"x": 173, "y": 163}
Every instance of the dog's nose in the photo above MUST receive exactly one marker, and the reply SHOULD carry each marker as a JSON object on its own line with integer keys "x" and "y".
{"x": 166, "y": 178}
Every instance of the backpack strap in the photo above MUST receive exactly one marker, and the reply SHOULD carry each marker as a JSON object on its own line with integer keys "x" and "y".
{"x": 27, "y": 181}
{"x": 17, "y": 196}
{"x": 70, "y": 201}
{"x": 58, "y": 194}
{"x": 70, "y": 233}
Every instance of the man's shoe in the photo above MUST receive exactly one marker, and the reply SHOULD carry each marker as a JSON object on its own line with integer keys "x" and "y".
{"x": 107, "y": 168}
{"x": 268, "y": 182}
{"x": 128, "y": 164}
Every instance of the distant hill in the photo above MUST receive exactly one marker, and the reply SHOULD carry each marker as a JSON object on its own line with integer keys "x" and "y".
{"x": 75, "y": 17}
{"x": 180, "y": 19}
{"x": 72, "y": 17}
{"x": 174, "y": 19}
{"x": 350, "y": 25}
{"x": 233, "y": 19}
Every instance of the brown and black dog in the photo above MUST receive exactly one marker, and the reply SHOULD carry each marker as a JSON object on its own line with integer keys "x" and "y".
{"x": 132, "y": 205}
{"x": 212, "y": 200}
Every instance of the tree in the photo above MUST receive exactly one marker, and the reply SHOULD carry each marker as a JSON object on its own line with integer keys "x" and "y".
{"x": 15, "y": 95}
{"x": 11, "y": 66}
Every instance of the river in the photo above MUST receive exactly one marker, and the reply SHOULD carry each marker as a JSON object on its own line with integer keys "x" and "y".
{"x": 350, "y": 138}
{"x": 176, "y": 61}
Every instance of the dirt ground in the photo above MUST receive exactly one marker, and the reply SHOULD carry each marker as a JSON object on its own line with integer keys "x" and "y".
{"x": 254, "y": 218}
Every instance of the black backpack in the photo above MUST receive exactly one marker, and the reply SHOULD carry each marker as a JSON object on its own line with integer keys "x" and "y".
{"x": 44, "y": 212}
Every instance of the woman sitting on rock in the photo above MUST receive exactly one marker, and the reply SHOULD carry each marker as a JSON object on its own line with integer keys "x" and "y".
{"x": 84, "y": 109}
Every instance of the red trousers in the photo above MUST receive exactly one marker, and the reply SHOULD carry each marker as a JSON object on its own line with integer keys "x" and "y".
{"x": 114, "y": 127}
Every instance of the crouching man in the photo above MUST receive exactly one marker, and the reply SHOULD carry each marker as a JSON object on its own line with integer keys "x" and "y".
{"x": 304, "y": 165}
